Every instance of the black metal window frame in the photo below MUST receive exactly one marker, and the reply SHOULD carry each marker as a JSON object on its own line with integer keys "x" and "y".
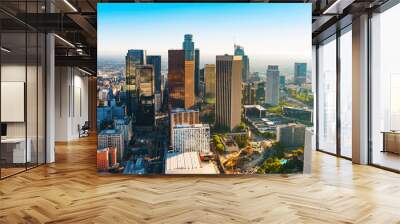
{"x": 334, "y": 37}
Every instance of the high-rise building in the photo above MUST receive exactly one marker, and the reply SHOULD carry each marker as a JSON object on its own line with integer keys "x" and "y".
{"x": 188, "y": 47}
{"x": 132, "y": 59}
{"x": 155, "y": 60}
{"x": 180, "y": 80}
{"x": 260, "y": 91}
{"x": 272, "y": 85}
{"x": 190, "y": 98}
{"x": 145, "y": 113}
{"x": 111, "y": 138}
{"x": 191, "y": 138}
{"x": 197, "y": 72}
{"x": 300, "y": 73}
{"x": 290, "y": 135}
{"x": 282, "y": 81}
{"x": 106, "y": 158}
{"x": 202, "y": 83}
{"x": 249, "y": 94}
{"x": 228, "y": 91}
{"x": 192, "y": 54}
{"x": 209, "y": 75}
{"x": 239, "y": 51}
{"x": 180, "y": 116}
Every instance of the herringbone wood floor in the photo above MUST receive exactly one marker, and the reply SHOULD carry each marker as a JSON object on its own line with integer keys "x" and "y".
{"x": 70, "y": 191}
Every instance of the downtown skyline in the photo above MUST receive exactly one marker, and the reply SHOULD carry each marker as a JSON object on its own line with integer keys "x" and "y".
{"x": 265, "y": 40}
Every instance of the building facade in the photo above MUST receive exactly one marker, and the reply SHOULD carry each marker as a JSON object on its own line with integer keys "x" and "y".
{"x": 197, "y": 88}
{"x": 145, "y": 112}
{"x": 228, "y": 91}
{"x": 188, "y": 47}
{"x": 249, "y": 94}
{"x": 300, "y": 73}
{"x": 182, "y": 116}
{"x": 111, "y": 138}
{"x": 290, "y": 135}
{"x": 272, "y": 86}
{"x": 239, "y": 51}
{"x": 191, "y": 138}
{"x": 133, "y": 58}
{"x": 155, "y": 61}
{"x": 180, "y": 80}
{"x": 209, "y": 76}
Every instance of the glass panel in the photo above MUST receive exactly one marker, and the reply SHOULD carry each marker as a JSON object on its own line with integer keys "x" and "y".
{"x": 346, "y": 94}
{"x": 13, "y": 79}
{"x": 385, "y": 83}
{"x": 327, "y": 97}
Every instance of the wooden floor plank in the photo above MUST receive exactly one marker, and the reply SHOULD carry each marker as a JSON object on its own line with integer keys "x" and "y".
{"x": 70, "y": 191}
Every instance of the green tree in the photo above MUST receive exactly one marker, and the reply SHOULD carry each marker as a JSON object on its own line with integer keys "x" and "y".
{"x": 220, "y": 148}
{"x": 241, "y": 140}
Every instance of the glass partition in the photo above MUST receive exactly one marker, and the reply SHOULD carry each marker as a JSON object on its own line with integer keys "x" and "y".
{"x": 13, "y": 87}
{"x": 346, "y": 93}
{"x": 327, "y": 96}
{"x": 22, "y": 64}
{"x": 385, "y": 89}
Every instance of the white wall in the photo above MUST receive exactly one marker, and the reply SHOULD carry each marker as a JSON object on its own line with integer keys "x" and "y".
{"x": 71, "y": 102}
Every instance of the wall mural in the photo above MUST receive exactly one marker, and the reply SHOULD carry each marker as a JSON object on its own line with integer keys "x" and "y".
{"x": 203, "y": 88}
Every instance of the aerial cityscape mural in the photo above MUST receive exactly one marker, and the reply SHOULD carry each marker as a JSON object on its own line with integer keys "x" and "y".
{"x": 203, "y": 88}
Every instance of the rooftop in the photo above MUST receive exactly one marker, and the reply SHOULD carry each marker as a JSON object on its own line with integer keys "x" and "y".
{"x": 191, "y": 126}
{"x": 187, "y": 163}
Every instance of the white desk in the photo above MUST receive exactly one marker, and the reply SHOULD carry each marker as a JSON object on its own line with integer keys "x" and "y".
{"x": 17, "y": 146}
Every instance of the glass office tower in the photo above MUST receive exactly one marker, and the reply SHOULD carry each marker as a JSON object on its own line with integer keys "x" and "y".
{"x": 300, "y": 73}
{"x": 188, "y": 47}
{"x": 155, "y": 60}
{"x": 239, "y": 51}
{"x": 132, "y": 59}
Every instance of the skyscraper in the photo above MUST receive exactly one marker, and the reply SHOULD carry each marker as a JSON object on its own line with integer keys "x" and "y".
{"x": 180, "y": 80}
{"x": 192, "y": 54}
{"x": 239, "y": 51}
{"x": 155, "y": 60}
{"x": 202, "y": 83}
{"x": 282, "y": 81}
{"x": 228, "y": 91}
{"x": 197, "y": 72}
{"x": 300, "y": 73}
{"x": 132, "y": 59}
{"x": 272, "y": 85}
{"x": 209, "y": 76}
{"x": 190, "y": 97}
{"x": 188, "y": 47}
{"x": 145, "y": 113}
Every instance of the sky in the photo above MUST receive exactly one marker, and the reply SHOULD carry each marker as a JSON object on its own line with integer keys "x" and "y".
{"x": 269, "y": 32}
